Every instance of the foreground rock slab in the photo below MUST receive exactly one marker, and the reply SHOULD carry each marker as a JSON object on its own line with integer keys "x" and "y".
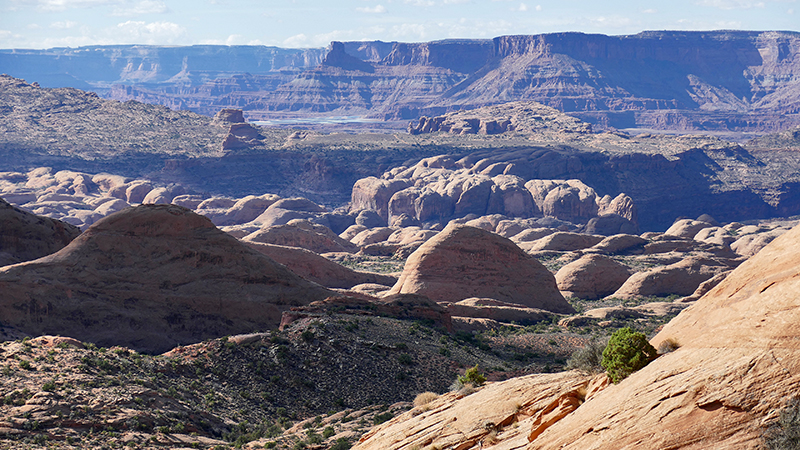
{"x": 737, "y": 365}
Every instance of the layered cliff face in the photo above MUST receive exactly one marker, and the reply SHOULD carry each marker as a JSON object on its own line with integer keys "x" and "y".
{"x": 720, "y": 80}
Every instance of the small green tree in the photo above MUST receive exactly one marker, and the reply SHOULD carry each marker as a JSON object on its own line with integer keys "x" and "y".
{"x": 472, "y": 376}
{"x": 627, "y": 351}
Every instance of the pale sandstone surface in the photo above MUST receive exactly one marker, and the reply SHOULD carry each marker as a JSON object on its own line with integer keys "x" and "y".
{"x": 463, "y": 262}
{"x": 150, "y": 278}
{"x": 497, "y": 416}
{"x": 303, "y": 234}
{"x": 681, "y": 278}
{"x": 739, "y": 362}
{"x": 591, "y": 277}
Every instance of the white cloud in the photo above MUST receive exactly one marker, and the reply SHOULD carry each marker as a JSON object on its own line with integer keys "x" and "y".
{"x": 538, "y": 7}
{"x": 420, "y": 2}
{"x": 650, "y": 11}
{"x": 140, "y": 32}
{"x": 65, "y": 25}
{"x": 62, "y": 5}
{"x": 377, "y": 9}
{"x": 455, "y": 2}
{"x": 732, "y": 4}
{"x": 522, "y": 7}
{"x": 140, "y": 7}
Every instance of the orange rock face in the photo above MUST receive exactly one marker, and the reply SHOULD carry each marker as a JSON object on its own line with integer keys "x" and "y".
{"x": 738, "y": 363}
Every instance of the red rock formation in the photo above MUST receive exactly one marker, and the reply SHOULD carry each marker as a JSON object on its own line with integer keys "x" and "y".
{"x": 462, "y": 262}
{"x": 150, "y": 278}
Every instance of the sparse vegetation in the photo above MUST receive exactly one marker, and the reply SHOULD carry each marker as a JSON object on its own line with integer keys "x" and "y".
{"x": 784, "y": 433}
{"x": 627, "y": 351}
{"x": 424, "y": 398}
{"x": 668, "y": 345}
{"x": 589, "y": 359}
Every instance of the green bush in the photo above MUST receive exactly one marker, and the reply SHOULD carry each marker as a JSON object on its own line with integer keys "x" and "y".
{"x": 341, "y": 444}
{"x": 589, "y": 359}
{"x": 627, "y": 351}
{"x": 784, "y": 434}
{"x": 472, "y": 376}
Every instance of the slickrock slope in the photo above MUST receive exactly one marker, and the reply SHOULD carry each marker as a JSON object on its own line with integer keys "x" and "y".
{"x": 738, "y": 363}
{"x": 150, "y": 278}
{"x": 463, "y": 262}
{"x": 25, "y": 236}
{"x": 497, "y": 416}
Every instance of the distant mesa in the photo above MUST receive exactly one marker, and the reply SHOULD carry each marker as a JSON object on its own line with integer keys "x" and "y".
{"x": 150, "y": 278}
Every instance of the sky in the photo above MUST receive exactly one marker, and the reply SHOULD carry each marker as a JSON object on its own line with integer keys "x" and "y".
{"x": 37, "y": 24}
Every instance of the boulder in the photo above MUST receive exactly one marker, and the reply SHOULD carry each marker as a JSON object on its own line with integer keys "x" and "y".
{"x": 25, "y": 236}
{"x": 248, "y": 208}
{"x": 686, "y": 228}
{"x": 150, "y": 278}
{"x": 372, "y": 236}
{"x": 374, "y": 194}
{"x": 352, "y": 231}
{"x": 532, "y": 234}
{"x": 620, "y": 244}
{"x": 322, "y": 271}
{"x": 591, "y": 277}
{"x": 750, "y": 244}
{"x": 610, "y": 224}
{"x": 562, "y": 241}
{"x": 487, "y": 308}
{"x": 284, "y": 210}
{"x": 137, "y": 191}
{"x": 462, "y": 262}
{"x": 303, "y": 234}
{"x": 570, "y": 200}
{"x": 370, "y": 219}
{"x": 681, "y": 278}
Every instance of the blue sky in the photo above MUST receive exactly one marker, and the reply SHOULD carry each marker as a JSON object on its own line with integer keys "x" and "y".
{"x": 314, "y": 23}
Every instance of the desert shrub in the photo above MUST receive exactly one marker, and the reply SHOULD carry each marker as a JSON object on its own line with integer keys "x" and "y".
{"x": 627, "y": 351}
{"x": 405, "y": 359}
{"x": 328, "y": 432}
{"x": 425, "y": 398}
{"x": 784, "y": 434}
{"x": 589, "y": 359}
{"x": 668, "y": 345}
{"x": 381, "y": 418}
{"x": 341, "y": 444}
{"x": 467, "y": 382}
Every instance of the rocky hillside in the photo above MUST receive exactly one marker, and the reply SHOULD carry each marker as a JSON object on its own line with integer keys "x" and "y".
{"x": 716, "y": 80}
{"x": 733, "y": 368}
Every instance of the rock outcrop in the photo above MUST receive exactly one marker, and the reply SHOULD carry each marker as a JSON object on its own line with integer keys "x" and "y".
{"x": 322, "y": 271}
{"x": 736, "y": 366}
{"x": 591, "y": 277}
{"x": 25, "y": 236}
{"x": 150, "y": 278}
{"x": 463, "y": 262}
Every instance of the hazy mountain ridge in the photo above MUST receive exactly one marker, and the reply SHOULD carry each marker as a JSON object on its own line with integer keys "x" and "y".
{"x": 716, "y": 80}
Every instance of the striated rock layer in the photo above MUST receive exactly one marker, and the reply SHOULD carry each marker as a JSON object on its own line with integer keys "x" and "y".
{"x": 151, "y": 278}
